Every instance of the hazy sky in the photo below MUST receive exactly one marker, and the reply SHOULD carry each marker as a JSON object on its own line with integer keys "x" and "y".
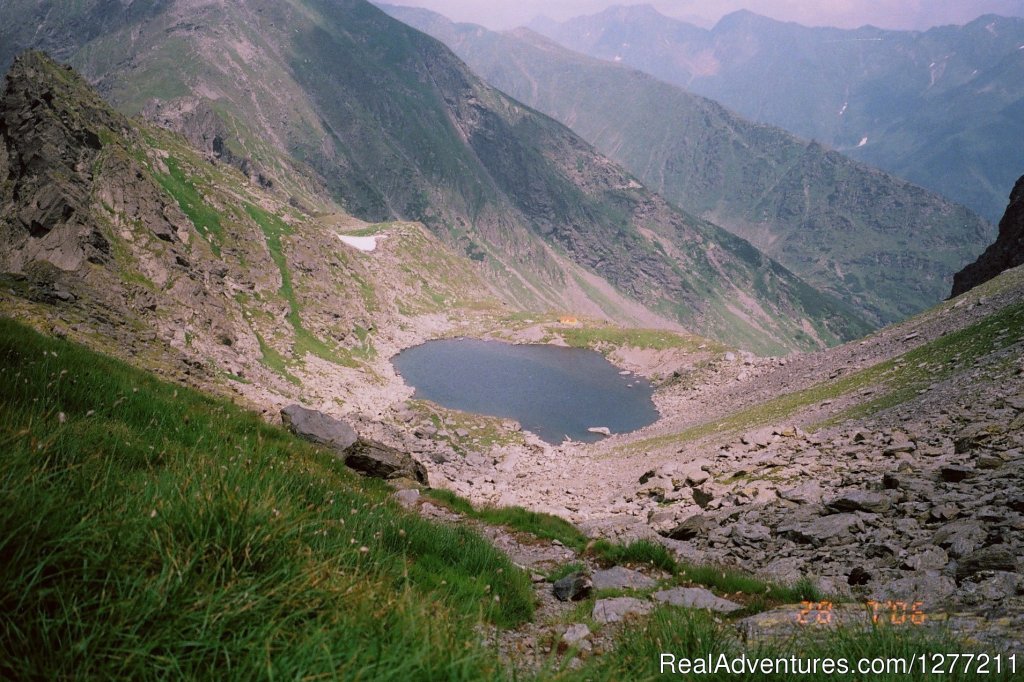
{"x": 902, "y": 14}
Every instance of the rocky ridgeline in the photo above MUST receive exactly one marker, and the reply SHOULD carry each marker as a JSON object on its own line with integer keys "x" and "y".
{"x": 1007, "y": 252}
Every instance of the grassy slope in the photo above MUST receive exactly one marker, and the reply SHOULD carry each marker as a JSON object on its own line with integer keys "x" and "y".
{"x": 148, "y": 531}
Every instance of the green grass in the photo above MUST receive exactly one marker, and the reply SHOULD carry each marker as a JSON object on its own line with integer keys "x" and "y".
{"x": 731, "y": 581}
{"x": 543, "y": 526}
{"x": 202, "y": 215}
{"x": 148, "y": 531}
{"x": 606, "y": 339}
{"x": 637, "y": 552}
{"x": 274, "y": 229}
{"x": 722, "y": 580}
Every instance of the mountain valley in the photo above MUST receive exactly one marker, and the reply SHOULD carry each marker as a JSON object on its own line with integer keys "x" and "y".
{"x": 836, "y": 223}
{"x": 220, "y": 220}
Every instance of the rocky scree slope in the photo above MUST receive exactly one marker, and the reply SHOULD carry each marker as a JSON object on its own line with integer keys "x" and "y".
{"x": 887, "y": 247}
{"x": 392, "y": 125}
{"x": 1007, "y": 251}
{"x": 940, "y": 108}
{"x": 121, "y": 235}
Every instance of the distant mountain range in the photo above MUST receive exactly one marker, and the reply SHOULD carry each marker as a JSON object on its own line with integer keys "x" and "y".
{"x": 331, "y": 103}
{"x": 942, "y": 108}
{"x": 886, "y": 246}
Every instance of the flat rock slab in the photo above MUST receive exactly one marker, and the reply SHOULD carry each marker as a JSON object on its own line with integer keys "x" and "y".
{"x": 820, "y": 531}
{"x": 319, "y": 428}
{"x": 692, "y": 527}
{"x": 860, "y": 500}
{"x": 621, "y": 578}
{"x": 619, "y": 608}
{"x": 696, "y": 598}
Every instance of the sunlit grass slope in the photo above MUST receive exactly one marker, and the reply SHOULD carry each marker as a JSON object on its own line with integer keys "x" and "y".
{"x": 149, "y": 531}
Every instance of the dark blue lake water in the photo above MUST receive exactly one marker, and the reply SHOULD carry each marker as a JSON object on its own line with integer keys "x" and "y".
{"x": 552, "y": 391}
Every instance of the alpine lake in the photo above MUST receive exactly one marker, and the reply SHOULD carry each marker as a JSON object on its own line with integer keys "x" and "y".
{"x": 554, "y": 392}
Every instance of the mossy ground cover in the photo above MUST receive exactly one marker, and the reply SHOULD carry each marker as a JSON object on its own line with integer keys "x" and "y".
{"x": 206, "y": 220}
{"x": 149, "y": 531}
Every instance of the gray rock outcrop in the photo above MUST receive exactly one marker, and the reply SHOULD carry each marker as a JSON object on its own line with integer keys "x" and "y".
{"x": 365, "y": 456}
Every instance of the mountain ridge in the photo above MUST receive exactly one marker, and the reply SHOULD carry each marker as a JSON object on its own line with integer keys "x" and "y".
{"x": 888, "y": 98}
{"x": 391, "y": 124}
{"x": 836, "y": 222}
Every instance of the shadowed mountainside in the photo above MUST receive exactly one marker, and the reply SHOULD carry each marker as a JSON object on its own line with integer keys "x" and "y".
{"x": 886, "y": 246}
{"x": 940, "y": 108}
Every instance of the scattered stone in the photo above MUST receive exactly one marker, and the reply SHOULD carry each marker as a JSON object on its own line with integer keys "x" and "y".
{"x": 944, "y": 512}
{"x": 930, "y": 559}
{"x": 617, "y": 609}
{"x": 994, "y": 558}
{"x": 408, "y": 497}
{"x": 750, "y": 533}
{"x": 573, "y": 587}
{"x": 821, "y": 530}
{"x": 692, "y": 527}
{"x": 953, "y": 473}
{"x": 577, "y": 635}
{"x": 960, "y": 538}
{"x": 805, "y": 493}
{"x": 425, "y": 431}
{"x": 930, "y": 588}
{"x": 696, "y": 598}
{"x": 860, "y": 500}
{"x": 858, "y": 576}
{"x": 619, "y": 577}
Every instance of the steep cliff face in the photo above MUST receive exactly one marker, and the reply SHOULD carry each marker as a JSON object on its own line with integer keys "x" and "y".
{"x": 1007, "y": 251}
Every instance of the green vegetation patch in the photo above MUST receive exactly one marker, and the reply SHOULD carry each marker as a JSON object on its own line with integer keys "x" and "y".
{"x": 607, "y": 339}
{"x": 202, "y": 215}
{"x": 274, "y": 229}
{"x": 542, "y": 526}
{"x": 697, "y": 635}
{"x": 148, "y": 531}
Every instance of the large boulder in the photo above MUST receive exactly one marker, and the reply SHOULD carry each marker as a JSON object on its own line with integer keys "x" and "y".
{"x": 380, "y": 461}
{"x": 365, "y": 456}
{"x": 319, "y": 428}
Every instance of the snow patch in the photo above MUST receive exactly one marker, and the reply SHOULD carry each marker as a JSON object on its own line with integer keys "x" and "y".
{"x": 618, "y": 58}
{"x": 863, "y": 141}
{"x": 843, "y": 110}
{"x": 362, "y": 243}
